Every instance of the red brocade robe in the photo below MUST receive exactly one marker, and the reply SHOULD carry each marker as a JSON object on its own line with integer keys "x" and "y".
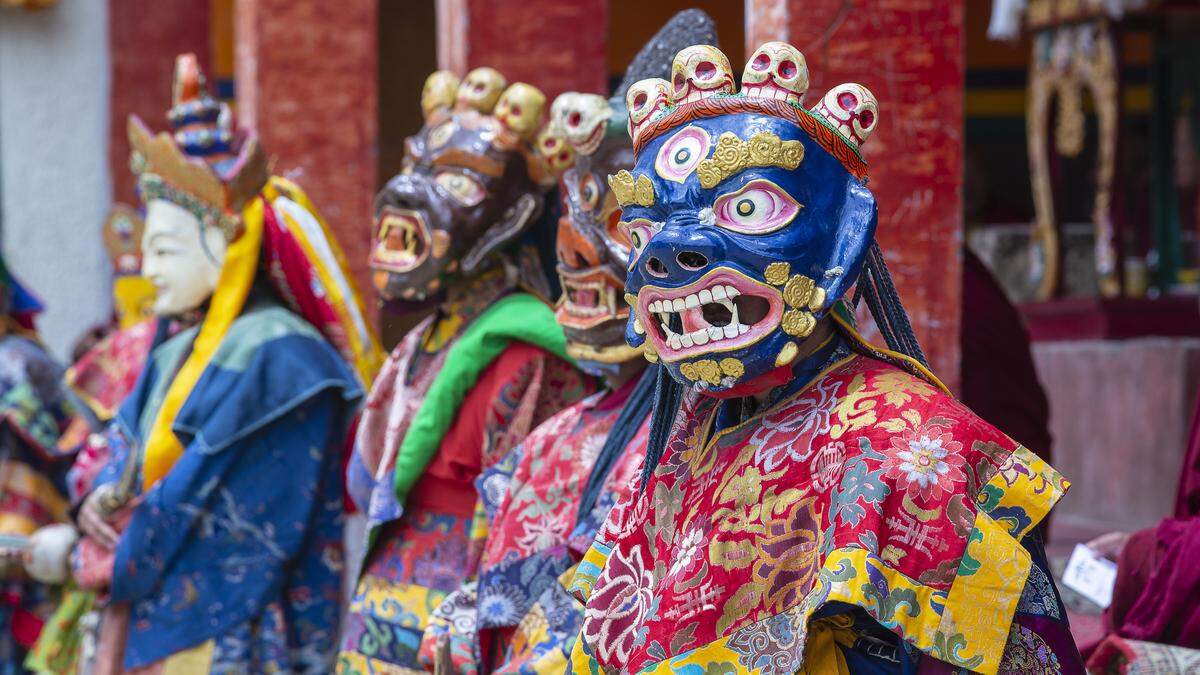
{"x": 426, "y": 549}
{"x": 868, "y": 513}
{"x": 516, "y": 613}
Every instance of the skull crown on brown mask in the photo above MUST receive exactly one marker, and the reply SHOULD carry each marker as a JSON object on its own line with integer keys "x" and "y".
{"x": 472, "y": 183}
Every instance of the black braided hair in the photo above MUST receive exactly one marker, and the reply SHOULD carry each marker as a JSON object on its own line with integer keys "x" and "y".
{"x": 876, "y": 287}
{"x": 668, "y": 398}
{"x": 629, "y": 420}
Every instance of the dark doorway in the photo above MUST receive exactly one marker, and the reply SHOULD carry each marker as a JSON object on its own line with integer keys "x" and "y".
{"x": 632, "y": 22}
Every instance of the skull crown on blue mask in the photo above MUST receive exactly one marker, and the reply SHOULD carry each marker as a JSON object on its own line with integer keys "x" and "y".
{"x": 749, "y": 214}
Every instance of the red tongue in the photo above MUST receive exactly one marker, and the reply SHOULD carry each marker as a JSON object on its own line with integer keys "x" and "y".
{"x": 693, "y": 319}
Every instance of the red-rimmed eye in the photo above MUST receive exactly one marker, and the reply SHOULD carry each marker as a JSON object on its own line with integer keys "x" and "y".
{"x": 759, "y": 207}
{"x": 639, "y": 232}
{"x": 680, "y": 155}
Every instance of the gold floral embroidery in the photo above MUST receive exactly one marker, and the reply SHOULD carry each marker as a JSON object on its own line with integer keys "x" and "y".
{"x": 855, "y": 410}
{"x": 899, "y": 388}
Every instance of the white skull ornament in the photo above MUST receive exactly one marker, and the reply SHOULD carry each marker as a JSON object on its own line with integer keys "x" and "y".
{"x": 777, "y": 70}
{"x": 645, "y": 99}
{"x": 554, "y": 151}
{"x": 852, "y": 109}
{"x": 698, "y": 72}
{"x": 520, "y": 109}
{"x": 581, "y": 119}
{"x": 481, "y": 89}
{"x": 439, "y": 92}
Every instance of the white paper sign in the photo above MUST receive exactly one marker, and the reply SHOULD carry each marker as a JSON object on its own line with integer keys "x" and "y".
{"x": 1091, "y": 575}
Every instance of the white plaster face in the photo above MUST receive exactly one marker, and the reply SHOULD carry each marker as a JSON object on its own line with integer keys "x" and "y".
{"x": 183, "y": 268}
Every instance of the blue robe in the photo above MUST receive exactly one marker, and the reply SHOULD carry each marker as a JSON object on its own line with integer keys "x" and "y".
{"x": 240, "y": 543}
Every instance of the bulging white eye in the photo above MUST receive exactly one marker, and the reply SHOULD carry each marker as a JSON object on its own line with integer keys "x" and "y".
{"x": 464, "y": 189}
{"x": 589, "y": 192}
{"x": 680, "y": 155}
{"x": 759, "y": 207}
{"x": 639, "y": 232}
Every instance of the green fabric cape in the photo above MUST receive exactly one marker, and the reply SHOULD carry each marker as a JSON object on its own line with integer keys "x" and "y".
{"x": 519, "y": 317}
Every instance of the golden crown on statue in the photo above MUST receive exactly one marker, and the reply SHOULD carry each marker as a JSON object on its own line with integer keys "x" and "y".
{"x": 201, "y": 165}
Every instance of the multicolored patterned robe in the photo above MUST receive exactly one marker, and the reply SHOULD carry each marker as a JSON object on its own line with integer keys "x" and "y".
{"x": 99, "y": 382}
{"x": 232, "y": 562}
{"x": 423, "y": 549}
{"x": 516, "y": 617}
{"x": 32, "y": 495}
{"x": 866, "y": 520}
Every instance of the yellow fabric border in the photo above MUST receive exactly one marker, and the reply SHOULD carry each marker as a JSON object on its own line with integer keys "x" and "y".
{"x": 1025, "y": 484}
{"x": 17, "y": 524}
{"x": 368, "y": 354}
{"x": 407, "y": 605}
{"x": 21, "y": 479}
{"x": 856, "y": 337}
{"x": 233, "y": 287}
{"x": 194, "y": 661}
{"x": 584, "y": 574}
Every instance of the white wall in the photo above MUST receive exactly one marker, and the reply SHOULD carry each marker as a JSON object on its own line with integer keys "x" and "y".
{"x": 54, "y": 180}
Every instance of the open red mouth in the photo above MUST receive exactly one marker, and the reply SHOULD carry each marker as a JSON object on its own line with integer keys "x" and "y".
{"x": 402, "y": 242}
{"x": 590, "y": 298}
{"x": 723, "y": 311}
{"x": 593, "y": 140}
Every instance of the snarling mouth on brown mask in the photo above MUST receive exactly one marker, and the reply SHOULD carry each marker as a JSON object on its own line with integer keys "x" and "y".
{"x": 589, "y": 298}
{"x": 402, "y": 240}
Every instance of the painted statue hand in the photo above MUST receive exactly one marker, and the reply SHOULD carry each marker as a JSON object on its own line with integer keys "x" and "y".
{"x": 93, "y": 523}
{"x": 49, "y": 550}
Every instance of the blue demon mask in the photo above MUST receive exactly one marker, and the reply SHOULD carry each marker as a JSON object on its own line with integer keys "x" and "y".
{"x": 748, "y": 215}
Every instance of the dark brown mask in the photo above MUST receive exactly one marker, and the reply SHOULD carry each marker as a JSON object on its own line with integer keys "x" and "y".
{"x": 472, "y": 183}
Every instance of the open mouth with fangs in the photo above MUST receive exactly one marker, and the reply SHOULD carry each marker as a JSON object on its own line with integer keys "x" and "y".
{"x": 723, "y": 311}
{"x": 589, "y": 298}
{"x": 402, "y": 240}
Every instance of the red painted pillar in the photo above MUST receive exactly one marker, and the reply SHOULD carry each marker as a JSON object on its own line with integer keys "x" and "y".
{"x": 910, "y": 55}
{"x": 144, "y": 38}
{"x": 306, "y": 78}
{"x": 556, "y": 46}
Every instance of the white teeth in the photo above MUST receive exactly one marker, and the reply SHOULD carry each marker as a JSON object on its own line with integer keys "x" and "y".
{"x": 664, "y": 311}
